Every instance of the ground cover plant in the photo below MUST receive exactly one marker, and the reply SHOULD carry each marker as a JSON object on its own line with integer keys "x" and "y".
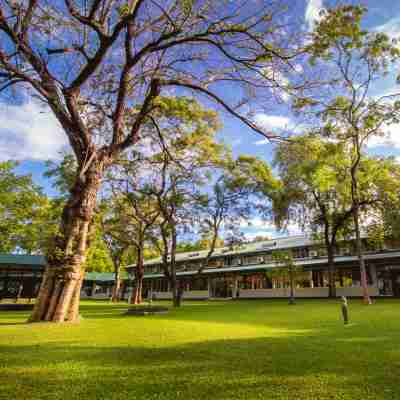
{"x": 206, "y": 350}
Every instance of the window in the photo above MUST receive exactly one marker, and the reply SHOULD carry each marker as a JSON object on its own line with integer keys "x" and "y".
{"x": 198, "y": 284}
{"x": 301, "y": 252}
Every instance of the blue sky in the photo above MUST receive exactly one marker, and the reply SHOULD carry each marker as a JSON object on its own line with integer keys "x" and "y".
{"x": 30, "y": 134}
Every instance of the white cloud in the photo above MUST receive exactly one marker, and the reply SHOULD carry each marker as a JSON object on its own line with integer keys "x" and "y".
{"x": 390, "y": 139}
{"x": 253, "y": 235}
{"x": 312, "y": 13}
{"x": 236, "y": 142}
{"x": 29, "y": 132}
{"x": 278, "y": 81}
{"x": 257, "y": 222}
{"x": 269, "y": 230}
{"x": 271, "y": 123}
{"x": 391, "y": 27}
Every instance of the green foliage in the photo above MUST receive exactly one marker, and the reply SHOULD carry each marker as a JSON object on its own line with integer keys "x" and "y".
{"x": 63, "y": 173}
{"x": 342, "y": 23}
{"x": 316, "y": 190}
{"x": 286, "y": 267}
{"x": 127, "y": 8}
{"x": 98, "y": 257}
{"x": 186, "y": 6}
{"x": 24, "y": 211}
{"x": 254, "y": 173}
{"x": 201, "y": 244}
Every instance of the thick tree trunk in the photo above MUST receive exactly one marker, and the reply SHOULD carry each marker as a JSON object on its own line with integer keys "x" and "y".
{"x": 137, "y": 291}
{"x": 59, "y": 294}
{"x": 117, "y": 282}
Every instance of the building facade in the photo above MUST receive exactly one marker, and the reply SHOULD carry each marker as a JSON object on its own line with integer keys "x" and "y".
{"x": 20, "y": 275}
{"x": 249, "y": 271}
{"x": 246, "y": 272}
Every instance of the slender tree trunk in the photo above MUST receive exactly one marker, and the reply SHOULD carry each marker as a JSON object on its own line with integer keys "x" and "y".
{"x": 139, "y": 273}
{"x": 291, "y": 282}
{"x": 331, "y": 270}
{"x": 137, "y": 291}
{"x": 58, "y": 297}
{"x": 177, "y": 291}
{"x": 117, "y": 281}
{"x": 356, "y": 218}
{"x": 360, "y": 255}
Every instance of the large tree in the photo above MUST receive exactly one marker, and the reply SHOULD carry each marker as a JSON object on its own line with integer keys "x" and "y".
{"x": 353, "y": 60}
{"x": 316, "y": 190}
{"x": 99, "y": 66}
{"x": 243, "y": 189}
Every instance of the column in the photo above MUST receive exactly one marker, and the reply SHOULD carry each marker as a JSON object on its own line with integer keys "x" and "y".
{"x": 209, "y": 287}
{"x": 235, "y": 286}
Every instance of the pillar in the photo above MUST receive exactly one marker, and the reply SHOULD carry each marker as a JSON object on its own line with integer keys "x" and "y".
{"x": 235, "y": 287}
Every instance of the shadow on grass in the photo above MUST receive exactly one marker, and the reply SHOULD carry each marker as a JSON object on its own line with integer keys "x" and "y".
{"x": 306, "y": 353}
{"x": 288, "y": 367}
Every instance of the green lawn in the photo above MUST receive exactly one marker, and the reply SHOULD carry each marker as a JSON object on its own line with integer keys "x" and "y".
{"x": 206, "y": 350}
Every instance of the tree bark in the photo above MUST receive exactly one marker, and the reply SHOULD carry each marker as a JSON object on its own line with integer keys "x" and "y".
{"x": 331, "y": 270}
{"x": 139, "y": 273}
{"x": 356, "y": 218}
{"x": 177, "y": 293}
{"x": 59, "y": 293}
{"x": 177, "y": 290}
{"x": 117, "y": 282}
{"x": 360, "y": 255}
{"x": 291, "y": 283}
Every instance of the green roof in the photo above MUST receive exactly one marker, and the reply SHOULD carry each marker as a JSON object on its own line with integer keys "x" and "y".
{"x": 103, "y": 276}
{"x": 22, "y": 259}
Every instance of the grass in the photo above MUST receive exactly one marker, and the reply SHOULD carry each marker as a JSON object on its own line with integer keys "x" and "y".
{"x": 206, "y": 350}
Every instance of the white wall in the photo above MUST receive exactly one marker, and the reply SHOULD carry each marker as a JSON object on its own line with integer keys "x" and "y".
{"x": 276, "y": 293}
{"x": 356, "y": 291}
{"x": 191, "y": 294}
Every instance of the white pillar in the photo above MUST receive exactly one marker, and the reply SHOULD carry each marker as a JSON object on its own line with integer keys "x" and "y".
{"x": 209, "y": 287}
{"x": 235, "y": 287}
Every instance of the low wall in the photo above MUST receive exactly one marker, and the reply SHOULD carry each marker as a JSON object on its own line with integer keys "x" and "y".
{"x": 95, "y": 296}
{"x": 356, "y": 291}
{"x": 277, "y": 293}
{"x": 305, "y": 292}
{"x": 189, "y": 295}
